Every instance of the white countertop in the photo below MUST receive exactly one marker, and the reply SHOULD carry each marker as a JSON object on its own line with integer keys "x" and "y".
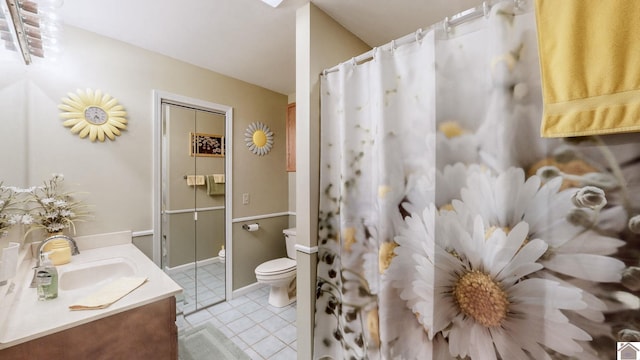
{"x": 25, "y": 318}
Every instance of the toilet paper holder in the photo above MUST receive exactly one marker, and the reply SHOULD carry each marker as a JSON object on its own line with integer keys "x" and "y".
{"x": 251, "y": 227}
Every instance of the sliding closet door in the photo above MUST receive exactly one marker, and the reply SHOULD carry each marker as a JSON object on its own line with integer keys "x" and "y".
{"x": 193, "y": 225}
{"x": 209, "y": 155}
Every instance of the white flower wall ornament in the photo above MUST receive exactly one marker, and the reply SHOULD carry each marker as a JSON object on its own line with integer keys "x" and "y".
{"x": 94, "y": 114}
{"x": 259, "y": 138}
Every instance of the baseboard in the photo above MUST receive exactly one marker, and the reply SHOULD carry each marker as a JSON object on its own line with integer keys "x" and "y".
{"x": 191, "y": 265}
{"x": 247, "y": 289}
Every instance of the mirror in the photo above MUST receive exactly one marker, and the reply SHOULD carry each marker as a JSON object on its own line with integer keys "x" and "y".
{"x": 193, "y": 177}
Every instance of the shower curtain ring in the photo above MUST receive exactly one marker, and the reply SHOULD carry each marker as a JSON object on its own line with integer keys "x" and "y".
{"x": 418, "y": 35}
{"x": 446, "y": 25}
{"x": 517, "y": 4}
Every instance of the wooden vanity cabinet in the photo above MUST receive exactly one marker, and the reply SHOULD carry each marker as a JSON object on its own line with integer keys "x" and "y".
{"x": 146, "y": 332}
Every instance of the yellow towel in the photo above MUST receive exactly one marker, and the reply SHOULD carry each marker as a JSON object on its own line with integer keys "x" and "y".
{"x": 195, "y": 180}
{"x": 109, "y": 294}
{"x": 589, "y": 59}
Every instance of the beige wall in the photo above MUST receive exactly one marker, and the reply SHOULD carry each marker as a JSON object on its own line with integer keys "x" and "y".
{"x": 184, "y": 237}
{"x": 256, "y": 247}
{"x": 320, "y": 44}
{"x": 118, "y": 175}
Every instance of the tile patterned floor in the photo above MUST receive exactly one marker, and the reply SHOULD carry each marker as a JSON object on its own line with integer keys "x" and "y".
{"x": 262, "y": 331}
{"x": 211, "y": 290}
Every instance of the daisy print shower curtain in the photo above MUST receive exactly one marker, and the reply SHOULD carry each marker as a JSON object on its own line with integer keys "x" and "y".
{"x": 449, "y": 229}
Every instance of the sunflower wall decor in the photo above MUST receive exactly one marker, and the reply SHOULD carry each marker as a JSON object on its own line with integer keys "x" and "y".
{"x": 259, "y": 138}
{"x": 94, "y": 114}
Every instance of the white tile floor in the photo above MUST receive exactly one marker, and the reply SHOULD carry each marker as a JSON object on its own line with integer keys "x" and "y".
{"x": 211, "y": 290}
{"x": 262, "y": 331}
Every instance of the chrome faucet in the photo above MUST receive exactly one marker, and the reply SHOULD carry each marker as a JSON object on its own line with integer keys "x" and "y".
{"x": 72, "y": 243}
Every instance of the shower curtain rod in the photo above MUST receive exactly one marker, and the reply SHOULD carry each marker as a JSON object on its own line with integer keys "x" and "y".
{"x": 447, "y": 25}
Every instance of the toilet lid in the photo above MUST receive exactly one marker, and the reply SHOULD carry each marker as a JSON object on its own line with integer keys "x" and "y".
{"x": 276, "y": 266}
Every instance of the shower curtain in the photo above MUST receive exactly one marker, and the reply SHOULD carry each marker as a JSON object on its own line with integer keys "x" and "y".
{"x": 448, "y": 229}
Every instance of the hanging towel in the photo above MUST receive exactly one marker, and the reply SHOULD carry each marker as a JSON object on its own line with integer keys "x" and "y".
{"x": 193, "y": 180}
{"x": 218, "y": 178}
{"x": 109, "y": 294}
{"x": 214, "y": 187}
{"x": 589, "y": 57}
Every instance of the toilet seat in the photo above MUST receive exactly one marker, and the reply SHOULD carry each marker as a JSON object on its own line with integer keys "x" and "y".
{"x": 276, "y": 267}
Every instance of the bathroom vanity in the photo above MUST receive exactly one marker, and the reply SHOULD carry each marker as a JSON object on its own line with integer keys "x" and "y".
{"x": 140, "y": 325}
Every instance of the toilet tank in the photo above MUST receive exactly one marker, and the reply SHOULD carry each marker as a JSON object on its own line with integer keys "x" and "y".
{"x": 290, "y": 239}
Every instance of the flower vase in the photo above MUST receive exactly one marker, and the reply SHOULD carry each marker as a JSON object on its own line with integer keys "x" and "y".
{"x": 59, "y": 249}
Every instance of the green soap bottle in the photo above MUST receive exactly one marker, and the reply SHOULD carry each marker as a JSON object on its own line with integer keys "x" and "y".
{"x": 46, "y": 279}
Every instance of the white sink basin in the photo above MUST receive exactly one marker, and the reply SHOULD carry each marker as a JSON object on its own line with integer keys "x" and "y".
{"x": 102, "y": 259}
{"x": 78, "y": 276}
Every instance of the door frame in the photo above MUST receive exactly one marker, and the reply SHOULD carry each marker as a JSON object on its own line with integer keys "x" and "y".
{"x": 158, "y": 97}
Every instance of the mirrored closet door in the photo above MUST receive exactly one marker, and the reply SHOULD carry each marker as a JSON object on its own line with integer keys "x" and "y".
{"x": 193, "y": 204}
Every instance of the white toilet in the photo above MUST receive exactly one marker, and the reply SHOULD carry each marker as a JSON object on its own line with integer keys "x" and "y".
{"x": 281, "y": 273}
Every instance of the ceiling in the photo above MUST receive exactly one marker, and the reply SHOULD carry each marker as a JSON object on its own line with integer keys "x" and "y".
{"x": 247, "y": 39}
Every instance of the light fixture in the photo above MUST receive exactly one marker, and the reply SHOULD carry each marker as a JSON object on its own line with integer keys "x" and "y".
{"x": 273, "y": 3}
{"x": 29, "y": 27}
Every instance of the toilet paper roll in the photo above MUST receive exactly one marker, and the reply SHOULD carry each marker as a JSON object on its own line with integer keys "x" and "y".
{"x": 251, "y": 227}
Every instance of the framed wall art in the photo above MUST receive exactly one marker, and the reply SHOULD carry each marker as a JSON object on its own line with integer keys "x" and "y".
{"x": 202, "y": 144}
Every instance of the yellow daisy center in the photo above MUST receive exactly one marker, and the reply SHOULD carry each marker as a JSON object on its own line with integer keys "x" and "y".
{"x": 383, "y": 190}
{"x": 385, "y": 255}
{"x": 492, "y": 229}
{"x": 259, "y": 138}
{"x": 451, "y": 129}
{"x": 349, "y": 237}
{"x": 481, "y": 298}
{"x": 447, "y": 207}
{"x": 373, "y": 324}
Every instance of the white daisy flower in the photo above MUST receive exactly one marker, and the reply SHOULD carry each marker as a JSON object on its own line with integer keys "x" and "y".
{"x": 450, "y": 181}
{"x": 504, "y": 200}
{"x": 402, "y": 335}
{"x": 476, "y": 292}
{"x": 573, "y": 251}
{"x": 27, "y": 219}
{"x": 461, "y": 148}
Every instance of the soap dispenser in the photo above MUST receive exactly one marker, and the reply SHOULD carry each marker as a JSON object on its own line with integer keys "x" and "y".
{"x": 46, "y": 279}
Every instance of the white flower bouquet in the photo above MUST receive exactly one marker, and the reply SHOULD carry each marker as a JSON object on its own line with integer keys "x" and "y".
{"x": 53, "y": 210}
{"x": 9, "y": 209}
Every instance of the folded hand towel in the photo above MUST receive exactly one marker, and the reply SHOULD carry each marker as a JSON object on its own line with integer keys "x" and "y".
{"x": 109, "y": 294}
{"x": 589, "y": 55}
{"x": 218, "y": 178}
{"x": 195, "y": 180}
{"x": 213, "y": 187}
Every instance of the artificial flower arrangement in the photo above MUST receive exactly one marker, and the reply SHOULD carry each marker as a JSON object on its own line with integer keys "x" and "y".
{"x": 45, "y": 207}
{"x": 51, "y": 209}
{"x": 9, "y": 209}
